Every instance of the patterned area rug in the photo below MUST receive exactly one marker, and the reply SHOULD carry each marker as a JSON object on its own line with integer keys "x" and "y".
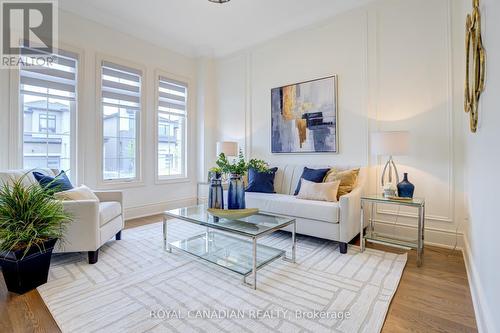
{"x": 136, "y": 287}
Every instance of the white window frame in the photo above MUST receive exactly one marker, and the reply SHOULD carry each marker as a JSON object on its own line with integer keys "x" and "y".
{"x": 187, "y": 128}
{"x": 16, "y": 121}
{"x": 129, "y": 182}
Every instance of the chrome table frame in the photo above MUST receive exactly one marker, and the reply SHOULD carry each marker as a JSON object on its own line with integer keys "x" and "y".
{"x": 421, "y": 225}
{"x": 168, "y": 248}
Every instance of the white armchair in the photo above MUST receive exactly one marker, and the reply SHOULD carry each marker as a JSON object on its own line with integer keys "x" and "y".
{"x": 94, "y": 222}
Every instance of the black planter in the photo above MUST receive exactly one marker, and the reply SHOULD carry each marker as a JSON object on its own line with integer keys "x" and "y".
{"x": 22, "y": 275}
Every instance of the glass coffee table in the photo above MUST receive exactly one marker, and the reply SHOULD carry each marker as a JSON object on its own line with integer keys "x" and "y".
{"x": 231, "y": 244}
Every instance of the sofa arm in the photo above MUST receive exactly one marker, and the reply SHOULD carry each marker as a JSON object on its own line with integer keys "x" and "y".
{"x": 350, "y": 214}
{"x": 110, "y": 196}
{"x": 82, "y": 234}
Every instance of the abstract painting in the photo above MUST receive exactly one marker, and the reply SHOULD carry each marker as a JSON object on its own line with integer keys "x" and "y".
{"x": 304, "y": 117}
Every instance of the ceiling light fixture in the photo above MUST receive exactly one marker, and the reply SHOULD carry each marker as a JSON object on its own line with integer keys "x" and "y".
{"x": 219, "y": 1}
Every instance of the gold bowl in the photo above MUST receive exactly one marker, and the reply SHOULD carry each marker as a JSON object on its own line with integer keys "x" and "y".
{"x": 233, "y": 214}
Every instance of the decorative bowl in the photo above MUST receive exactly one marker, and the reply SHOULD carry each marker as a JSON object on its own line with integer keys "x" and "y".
{"x": 232, "y": 214}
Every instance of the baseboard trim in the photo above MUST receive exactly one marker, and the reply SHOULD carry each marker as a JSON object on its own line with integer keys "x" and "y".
{"x": 483, "y": 314}
{"x": 448, "y": 239}
{"x": 156, "y": 208}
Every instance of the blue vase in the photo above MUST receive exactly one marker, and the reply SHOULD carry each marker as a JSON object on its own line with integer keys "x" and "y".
{"x": 236, "y": 192}
{"x": 405, "y": 188}
{"x": 216, "y": 193}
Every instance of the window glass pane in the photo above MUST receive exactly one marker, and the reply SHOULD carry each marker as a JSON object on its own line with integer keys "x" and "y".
{"x": 120, "y": 88}
{"x": 171, "y": 129}
{"x": 48, "y": 104}
{"x": 119, "y": 168}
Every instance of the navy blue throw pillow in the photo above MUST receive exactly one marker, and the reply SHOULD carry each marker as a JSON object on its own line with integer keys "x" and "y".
{"x": 262, "y": 182}
{"x": 58, "y": 183}
{"x": 313, "y": 175}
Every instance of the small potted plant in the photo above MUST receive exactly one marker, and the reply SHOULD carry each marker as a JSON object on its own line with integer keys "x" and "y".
{"x": 236, "y": 170}
{"x": 31, "y": 222}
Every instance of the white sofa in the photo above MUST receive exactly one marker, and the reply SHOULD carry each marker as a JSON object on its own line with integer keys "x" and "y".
{"x": 94, "y": 223}
{"x": 338, "y": 221}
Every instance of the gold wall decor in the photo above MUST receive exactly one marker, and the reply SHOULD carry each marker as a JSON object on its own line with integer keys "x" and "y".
{"x": 475, "y": 62}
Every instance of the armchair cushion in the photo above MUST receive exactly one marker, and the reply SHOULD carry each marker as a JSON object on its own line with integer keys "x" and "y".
{"x": 108, "y": 211}
{"x": 58, "y": 183}
{"x": 77, "y": 193}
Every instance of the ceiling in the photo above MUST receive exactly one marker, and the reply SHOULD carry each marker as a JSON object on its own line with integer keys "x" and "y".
{"x": 201, "y": 28}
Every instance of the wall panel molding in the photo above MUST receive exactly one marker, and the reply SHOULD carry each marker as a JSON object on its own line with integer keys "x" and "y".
{"x": 450, "y": 216}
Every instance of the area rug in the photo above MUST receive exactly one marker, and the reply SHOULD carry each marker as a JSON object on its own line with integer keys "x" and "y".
{"x": 137, "y": 287}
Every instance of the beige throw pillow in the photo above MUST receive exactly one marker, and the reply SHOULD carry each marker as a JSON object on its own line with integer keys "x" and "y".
{"x": 348, "y": 180}
{"x": 319, "y": 191}
{"x": 77, "y": 193}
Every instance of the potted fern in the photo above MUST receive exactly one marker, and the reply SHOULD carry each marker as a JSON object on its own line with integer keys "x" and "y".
{"x": 31, "y": 222}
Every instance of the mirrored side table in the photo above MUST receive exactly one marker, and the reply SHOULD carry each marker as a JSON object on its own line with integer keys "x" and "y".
{"x": 374, "y": 237}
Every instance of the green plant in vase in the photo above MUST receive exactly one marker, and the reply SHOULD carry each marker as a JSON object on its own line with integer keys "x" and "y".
{"x": 239, "y": 166}
{"x": 31, "y": 222}
{"x": 236, "y": 170}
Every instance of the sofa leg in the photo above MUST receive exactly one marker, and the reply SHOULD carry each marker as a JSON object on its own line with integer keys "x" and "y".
{"x": 93, "y": 255}
{"x": 343, "y": 248}
{"x": 119, "y": 235}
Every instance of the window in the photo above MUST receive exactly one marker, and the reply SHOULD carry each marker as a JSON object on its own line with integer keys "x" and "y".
{"x": 172, "y": 113}
{"x": 48, "y": 103}
{"x": 121, "y": 106}
{"x": 47, "y": 123}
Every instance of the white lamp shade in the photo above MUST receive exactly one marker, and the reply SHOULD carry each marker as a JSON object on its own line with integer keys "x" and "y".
{"x": 390, "y": 143}
{"x": 229, "y": 148}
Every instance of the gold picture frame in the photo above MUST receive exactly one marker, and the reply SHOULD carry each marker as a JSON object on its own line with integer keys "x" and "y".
{"x": 474, "y": 66}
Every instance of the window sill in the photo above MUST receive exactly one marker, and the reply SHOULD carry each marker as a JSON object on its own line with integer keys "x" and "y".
{"x": 114, "y": 185}
{"x": 163, "y": 181}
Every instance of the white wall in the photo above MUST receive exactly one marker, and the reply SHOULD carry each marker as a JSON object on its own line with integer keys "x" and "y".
{"x": 94, "y": 39}
{"x": 207, "y": 117}
{"x": 482, "y": 161}
{"x": 395, "y": 70}
{"x": 4, "y": 119}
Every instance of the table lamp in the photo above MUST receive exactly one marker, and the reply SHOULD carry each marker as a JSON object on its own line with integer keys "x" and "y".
{"x": 390, "y": 143}
{"x": 229, "y": 148}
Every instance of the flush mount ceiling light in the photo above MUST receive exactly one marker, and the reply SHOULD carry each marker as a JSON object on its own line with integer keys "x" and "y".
{"x": 219, "y": 1}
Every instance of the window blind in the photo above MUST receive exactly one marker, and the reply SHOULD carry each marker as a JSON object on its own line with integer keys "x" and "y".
{"x": 121, "y": 86}
{"x": 59, "y": 77}
{"x": 172, "y": 96}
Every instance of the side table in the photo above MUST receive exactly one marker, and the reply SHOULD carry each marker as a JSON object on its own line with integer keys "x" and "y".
{"x": 374, "y": 237}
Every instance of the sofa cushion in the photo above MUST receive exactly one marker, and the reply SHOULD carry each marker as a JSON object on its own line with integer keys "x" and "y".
{"x": 289, "y": 205}
{"x": 347, "y": 179}
{"x": 108, "y": 211}
{"x": 313, "y": 175}
{"x": 319, "y": 191}
{"x": 262, "y": 182}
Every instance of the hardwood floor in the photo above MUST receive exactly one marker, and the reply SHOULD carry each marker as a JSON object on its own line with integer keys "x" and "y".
{"x": 431, "y": 298}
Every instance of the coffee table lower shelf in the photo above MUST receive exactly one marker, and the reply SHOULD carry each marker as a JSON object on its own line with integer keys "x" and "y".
{"x": 229, "y": 252}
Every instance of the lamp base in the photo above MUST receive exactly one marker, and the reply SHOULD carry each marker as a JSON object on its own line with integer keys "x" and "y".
{"x": 391, "y": 165}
